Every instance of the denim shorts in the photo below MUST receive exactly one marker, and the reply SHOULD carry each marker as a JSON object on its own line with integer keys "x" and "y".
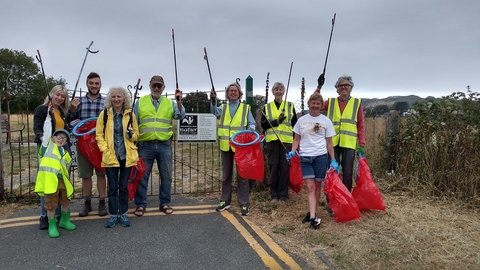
{"x": 314, "y": 167}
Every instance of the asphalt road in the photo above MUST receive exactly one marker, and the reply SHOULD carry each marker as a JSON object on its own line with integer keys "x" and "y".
{"x": 193, "y": 237}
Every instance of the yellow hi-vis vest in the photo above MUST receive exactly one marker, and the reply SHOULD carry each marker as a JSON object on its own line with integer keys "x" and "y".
{"x": 155, "y": 125}
{"x": 230, "y": 125}
{"x": 284, "y": 130}
{"x": 51, "y": 164}
{"x": 345, "y": 124}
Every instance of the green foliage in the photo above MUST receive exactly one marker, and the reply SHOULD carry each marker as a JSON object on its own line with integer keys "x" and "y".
{"x": 401, "y": 106}
{"x": 377, "y": 111}
{"x": 196, "y": 102}
{"x": 438, "y": 147}
{"x": 258, "y": 102}
{"x": 25, "y": 81}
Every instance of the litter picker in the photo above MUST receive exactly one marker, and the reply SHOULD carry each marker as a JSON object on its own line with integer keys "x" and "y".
{"x": 81, "y": 69}
{"x": 209, "y": 73}
{"x": 39, "y": 59}
{"x": 321, "y": 79}
{"x": 175, "y": 63}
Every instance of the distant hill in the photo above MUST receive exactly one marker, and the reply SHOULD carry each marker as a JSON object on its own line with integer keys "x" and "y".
{"x": 389, "y": 101}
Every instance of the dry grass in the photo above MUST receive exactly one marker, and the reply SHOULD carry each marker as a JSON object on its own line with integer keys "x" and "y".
{"x": 414, "y": 233}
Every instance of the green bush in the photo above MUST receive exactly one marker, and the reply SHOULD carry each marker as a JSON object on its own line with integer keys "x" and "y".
{"x": 436, "y": 150}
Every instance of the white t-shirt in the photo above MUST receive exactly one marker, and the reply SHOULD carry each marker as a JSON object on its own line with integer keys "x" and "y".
{"x": 313, "y": 130}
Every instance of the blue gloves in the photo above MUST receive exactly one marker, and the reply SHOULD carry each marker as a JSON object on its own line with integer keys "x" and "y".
{"x": 334, "y": 165}
{"x": 290, "y": 155}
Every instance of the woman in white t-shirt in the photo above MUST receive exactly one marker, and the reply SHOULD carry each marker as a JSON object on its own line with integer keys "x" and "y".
{"x": 313, "y": 141}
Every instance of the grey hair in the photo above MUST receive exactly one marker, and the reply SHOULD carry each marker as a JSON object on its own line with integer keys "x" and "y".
{"x": 66, "y": 103}
{"x": 127, "y": 99}
{"x": 344, "y": 77}
{"x": 238, "y": 87}
{"x": 277, "y": 85}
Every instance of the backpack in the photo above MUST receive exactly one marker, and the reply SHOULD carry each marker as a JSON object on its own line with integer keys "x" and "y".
{"x": 105, "y": 119}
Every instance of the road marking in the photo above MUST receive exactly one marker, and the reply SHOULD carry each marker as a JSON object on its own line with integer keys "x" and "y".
{"x": 268, "y": 260}
{"x": 273, "y": 246}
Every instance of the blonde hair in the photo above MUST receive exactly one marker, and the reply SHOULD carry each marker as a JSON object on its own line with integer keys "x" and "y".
{"x": 127, "y": 99}
{"x": 66, "y": 103}
{"x": 315, "y": 96}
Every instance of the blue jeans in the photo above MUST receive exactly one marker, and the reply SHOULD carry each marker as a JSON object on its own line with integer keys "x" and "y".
{"x": 118, "y": 189}
{"x": 314, "y": 167}
{"x": 162, "y": 153}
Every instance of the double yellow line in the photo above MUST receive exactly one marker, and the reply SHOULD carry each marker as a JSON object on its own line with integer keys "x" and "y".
{"x": 267, "y": 259}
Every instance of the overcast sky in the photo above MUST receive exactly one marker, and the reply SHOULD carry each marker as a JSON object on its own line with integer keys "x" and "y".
{"x": 390, "y": 48}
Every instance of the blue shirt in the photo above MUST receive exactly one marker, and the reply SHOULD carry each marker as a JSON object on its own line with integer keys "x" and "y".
{"x": 88, "y": 108}
{"x": 118, "y": 143}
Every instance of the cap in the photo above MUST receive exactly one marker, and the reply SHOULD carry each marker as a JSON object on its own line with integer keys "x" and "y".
{"x": 157, "y": 79}
{"x": 62, "y": 131}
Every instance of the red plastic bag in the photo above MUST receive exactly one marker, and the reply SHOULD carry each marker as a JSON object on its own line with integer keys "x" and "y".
{"x": 87, "y": 143}
{"x": 340, "y": 199}
{"x": 296, "y": 179}
{"x": 136, "y": 174}
{"x": 248, "y": 154}
{"x": 366, "y": 193}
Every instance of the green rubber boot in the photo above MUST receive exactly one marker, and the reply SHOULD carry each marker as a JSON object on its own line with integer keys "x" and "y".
{"x": 65, "y": 221}
{"x": 52, "y": 228}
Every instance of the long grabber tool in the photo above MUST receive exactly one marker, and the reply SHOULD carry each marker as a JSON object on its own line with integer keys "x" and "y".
{"x": 288, "y": 84}
{"x": 329, "y": 42}
{"x": 274, "y": 131}
{"x": 137, "y": 88}
{"x": 81, "y": 69}
{"x": 209, "y": 73}
{"x": 39, "y": 59}
{"x": 175, "y": 62}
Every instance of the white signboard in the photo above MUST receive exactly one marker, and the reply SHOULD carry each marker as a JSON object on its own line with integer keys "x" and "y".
{"x": 73, "y": 148}
{"x": 197, "y": 127}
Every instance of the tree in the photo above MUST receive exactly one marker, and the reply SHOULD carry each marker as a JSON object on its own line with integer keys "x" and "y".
{"x": 379, "y": 110}
{"x": 258, "y": 103}
{"x": 401, "y": 106}
{"x": 196, "y": 102}
{"x": 24, "y": 79}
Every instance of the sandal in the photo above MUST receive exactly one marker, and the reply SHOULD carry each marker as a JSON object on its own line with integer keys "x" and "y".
{"x": 166, "y": 209}
{"x": 139, "y": 211}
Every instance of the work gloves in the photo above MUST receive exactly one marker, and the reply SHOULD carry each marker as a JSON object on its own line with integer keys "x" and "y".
{"x": 290, "y": 155}
{"x": 321, "y": 81}
{"x": 334, "y": 165}
{"x": 281, "y": 118}
{"x": 361, "y": 151}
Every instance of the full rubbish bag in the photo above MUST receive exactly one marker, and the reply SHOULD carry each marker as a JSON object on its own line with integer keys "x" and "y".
{"x": 296, "y": 179}
{"x": 136, "y": 174}
{"x": 87, "y": 143}
{"x": 248, "y": 154}
{"x": 340, "y": 199}
{"x": 366, "y": 193}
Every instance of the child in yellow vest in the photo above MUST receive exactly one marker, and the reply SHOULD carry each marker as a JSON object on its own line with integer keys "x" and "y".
{"x": 53, "y": 178}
